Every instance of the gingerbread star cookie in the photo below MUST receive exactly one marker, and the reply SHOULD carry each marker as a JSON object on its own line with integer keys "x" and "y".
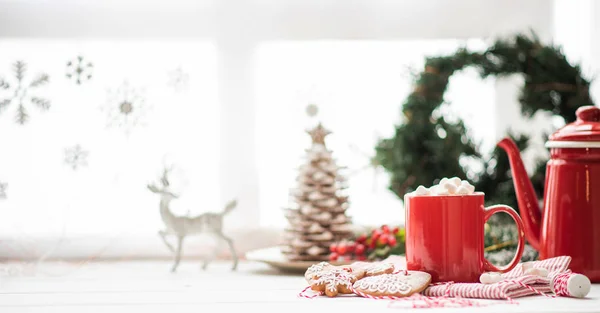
{"x": 336, "y": 281}
{"x": 401, "y": 284}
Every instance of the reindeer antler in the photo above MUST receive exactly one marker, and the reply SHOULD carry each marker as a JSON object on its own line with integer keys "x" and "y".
{"x": 167, "y": 168}
{"x": 164, "y": 180}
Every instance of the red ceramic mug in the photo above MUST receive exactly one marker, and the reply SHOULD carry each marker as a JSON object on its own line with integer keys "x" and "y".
{"x": 445, "y": 236}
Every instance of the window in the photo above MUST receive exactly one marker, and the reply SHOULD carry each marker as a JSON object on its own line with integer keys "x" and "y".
{"x": 82, "y": 166}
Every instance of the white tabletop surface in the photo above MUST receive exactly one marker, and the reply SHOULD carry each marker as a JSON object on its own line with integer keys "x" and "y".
{"x": 149, "y": 287}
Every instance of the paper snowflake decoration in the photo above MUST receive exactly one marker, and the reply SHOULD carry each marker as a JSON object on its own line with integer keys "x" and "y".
{"x": 76, "y": 157}
{"x": 178, "y": 79}
{"x": 3, "y": 187}
{"x": 22, "y": 93}
{"x": 125, "y": 107}
{"x": 312, "y": 110}
{"x": 311, "y": 97}
{"x": 79, "y": 70}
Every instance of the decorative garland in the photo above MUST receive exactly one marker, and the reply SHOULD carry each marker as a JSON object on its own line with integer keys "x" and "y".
{"x": 426, "y": 147}
{"x": 418, "y": 155}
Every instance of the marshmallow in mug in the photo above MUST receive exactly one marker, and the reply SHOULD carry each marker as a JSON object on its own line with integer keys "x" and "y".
{"x": 447, "y": 186}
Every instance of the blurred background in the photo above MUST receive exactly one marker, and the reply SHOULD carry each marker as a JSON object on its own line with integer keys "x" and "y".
{"x": 98, "y": 97}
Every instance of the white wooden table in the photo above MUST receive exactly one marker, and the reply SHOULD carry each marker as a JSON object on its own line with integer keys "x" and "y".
{"x": 149, "y": 287}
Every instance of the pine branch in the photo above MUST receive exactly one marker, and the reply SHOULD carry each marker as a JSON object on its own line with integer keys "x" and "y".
{"x": 42, "y": 79}
{"x": 42, "y": 103}
{"x": 4, "y": 84}
{"x": 19, "y": 67}
{"x": 4, "y": 103}
{"x": 22, "y": 116}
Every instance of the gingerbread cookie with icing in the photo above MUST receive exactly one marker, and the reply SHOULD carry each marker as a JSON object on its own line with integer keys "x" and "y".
{"x": 316, "y": 270}
{"x": 401, "y": 284}
{"x": 379, "y": 269}
{"x": 336, "y": 281}
{"x": 374, "y": 268}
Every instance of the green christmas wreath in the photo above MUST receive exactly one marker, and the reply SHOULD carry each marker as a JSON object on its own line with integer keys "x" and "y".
{"x": 419, "y": 153}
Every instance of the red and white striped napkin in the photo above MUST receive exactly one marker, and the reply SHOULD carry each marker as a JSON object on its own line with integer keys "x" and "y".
{"x": 515, "y": 283}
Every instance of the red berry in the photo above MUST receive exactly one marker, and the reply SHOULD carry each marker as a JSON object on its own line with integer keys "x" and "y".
{"x": 333, "y": 247}
{"x": 360, "y": 249}
{"x": 333, "y": 257}
{"x": 386, "y": 229}
{"x": 342, "y": 249}
{"x": 395, "y": 230}
{"x": 372, "y": 244}
{"x": 351, "y": 247}
{"x": 361, "y": 257}
{"x": 375, "y": 235}
{"x": 392, "y": 241}
{"x": 383, "y": 240}
{"x": 361, "y": 239}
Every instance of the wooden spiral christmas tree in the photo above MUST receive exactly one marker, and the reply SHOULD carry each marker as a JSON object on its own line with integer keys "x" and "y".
{"x": 318, "y": 217}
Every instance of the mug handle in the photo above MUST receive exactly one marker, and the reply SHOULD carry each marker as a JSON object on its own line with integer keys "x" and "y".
{"x": 489, "y": 211}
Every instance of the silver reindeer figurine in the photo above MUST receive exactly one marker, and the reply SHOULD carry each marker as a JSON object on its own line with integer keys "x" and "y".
{"x": 182, "y": 226}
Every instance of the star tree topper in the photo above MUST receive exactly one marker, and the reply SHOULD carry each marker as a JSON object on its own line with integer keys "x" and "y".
{"x": 318, "y": 134}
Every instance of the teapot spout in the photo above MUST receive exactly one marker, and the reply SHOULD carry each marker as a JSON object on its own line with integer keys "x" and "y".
{"x": 526, "y": 197}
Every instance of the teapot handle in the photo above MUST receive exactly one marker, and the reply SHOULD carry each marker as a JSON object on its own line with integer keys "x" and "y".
{"x": 489, "y": 211}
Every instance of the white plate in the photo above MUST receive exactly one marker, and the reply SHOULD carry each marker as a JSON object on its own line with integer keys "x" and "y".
{"x": 276, "y": 259}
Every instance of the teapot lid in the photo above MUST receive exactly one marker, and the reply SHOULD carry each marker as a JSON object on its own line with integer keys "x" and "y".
{"x": 583, "y": 133}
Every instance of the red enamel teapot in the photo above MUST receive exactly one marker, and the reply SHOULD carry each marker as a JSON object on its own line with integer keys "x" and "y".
{"x": 569, "y": 223}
